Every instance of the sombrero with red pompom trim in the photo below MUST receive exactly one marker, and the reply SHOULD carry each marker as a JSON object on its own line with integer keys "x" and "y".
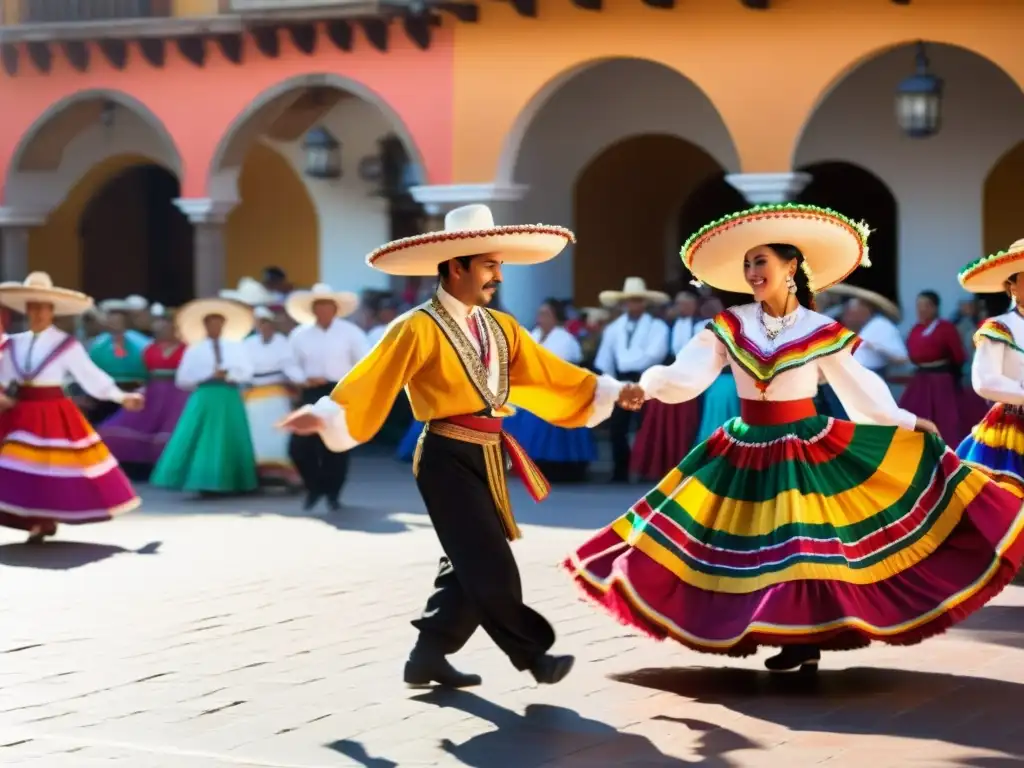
{"x": 989, "y": 273}
{"x": 833, "y": 245}
{"x": 470, "y": 231}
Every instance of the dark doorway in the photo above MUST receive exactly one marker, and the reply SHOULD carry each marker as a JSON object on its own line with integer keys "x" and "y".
{"x": 712, "y": 200}
{"x": 136, "y": 241}
{"x": 860, "y": 195}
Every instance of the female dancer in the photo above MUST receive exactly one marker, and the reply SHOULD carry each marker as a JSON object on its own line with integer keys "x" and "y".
{"x": 562, "y": 454}
{"x": 787, "y": 528}
{"x": 53, "y": 467}
{"x": 996, "y": 444}
{"x": 936, "y": 350}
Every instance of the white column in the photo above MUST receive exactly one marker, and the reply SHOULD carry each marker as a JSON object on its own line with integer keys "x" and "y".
{"x": 209, "y": 253}
{"x": 517, "y": 291}
{"x": 15, "y": 225}
{"x": 769, "y": 188}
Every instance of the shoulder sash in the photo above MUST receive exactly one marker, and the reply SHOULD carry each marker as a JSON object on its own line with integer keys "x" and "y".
{"x": 60, "y": 349}
{"x": 997, "y": 331}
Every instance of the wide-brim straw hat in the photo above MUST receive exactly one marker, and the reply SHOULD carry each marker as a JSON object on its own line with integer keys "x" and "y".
{"x": 299, "y": 304}
{"x": 989, "y": 273}
{"x": 832, "y": 244}
{"x": 249, "y": 291}
{"x": 595, "y": 314}
{"x": 39, "y": 288}
{"x": 470, "y": 231}
{"x": 238, "y": 319}
{"x": 632, "y": 288}
{"x": 876, "y": 300}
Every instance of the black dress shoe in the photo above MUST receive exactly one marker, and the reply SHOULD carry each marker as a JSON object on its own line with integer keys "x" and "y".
{"x": 795, "y": 658}
{"x": 422, "y": 670}
{"x": 334, "y": 505}
{"x": 548, "y": 669}
{"x": 311, "y": 500}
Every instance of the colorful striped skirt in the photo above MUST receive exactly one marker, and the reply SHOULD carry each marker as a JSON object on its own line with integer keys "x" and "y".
{"x": 787, "y": 530}
{"x": 54, "y": 467}
{"x": 996, "y": 446}
{"x": 265, "y": 405}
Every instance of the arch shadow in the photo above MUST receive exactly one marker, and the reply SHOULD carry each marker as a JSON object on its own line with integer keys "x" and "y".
{"x": 515, "y": 140}
{"x": 860, "y": 195}
{"x": 120, "y": 98}
{"x": 299, "y": 82}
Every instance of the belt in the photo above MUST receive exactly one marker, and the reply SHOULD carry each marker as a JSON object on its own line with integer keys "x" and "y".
{"x": 768, "y": 413}
{"x": 29, "y": 393}
{"x": 487, "y": 432}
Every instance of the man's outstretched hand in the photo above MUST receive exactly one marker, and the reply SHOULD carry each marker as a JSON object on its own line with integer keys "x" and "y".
{"x": 302, "y": 422}
{"x": 631, "y": 397}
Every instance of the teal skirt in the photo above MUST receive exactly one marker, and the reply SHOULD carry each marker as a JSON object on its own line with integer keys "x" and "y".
{"x": 721, "y": 403}
{"x": 211, "y": 450}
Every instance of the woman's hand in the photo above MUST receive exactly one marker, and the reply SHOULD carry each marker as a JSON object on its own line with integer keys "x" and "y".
{"x": 631, "y": 397}
{"x": 133, "y": 401}
{"x": 924, "y": 425}
{"x": 301, "y": 422}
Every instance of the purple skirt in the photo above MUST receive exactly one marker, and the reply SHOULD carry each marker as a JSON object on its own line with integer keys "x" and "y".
{"x": 139, "y": 437}
{"x": 936, "y": 397}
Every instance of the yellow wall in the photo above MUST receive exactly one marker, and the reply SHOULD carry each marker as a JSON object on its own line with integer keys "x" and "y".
{"x": 276, "y": 222}
{"x": 195, "y": 7}
{"x": 56, "y": 247}
{"x": 1004, "y": 190}
{"x": 10, "y": 10}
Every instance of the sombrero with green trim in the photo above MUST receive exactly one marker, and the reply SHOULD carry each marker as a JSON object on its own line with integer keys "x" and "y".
{"x": 989, "y": 273}
{"x": 832, "y": 244}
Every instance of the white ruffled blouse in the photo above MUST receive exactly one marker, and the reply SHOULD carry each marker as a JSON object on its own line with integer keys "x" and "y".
{"x": 997, "y": 372}
{"x": 786, "y": 368}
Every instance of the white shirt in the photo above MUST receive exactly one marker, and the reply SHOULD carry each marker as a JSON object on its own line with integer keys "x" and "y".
{"x": 882, "y": 344}
{"x": 72, "y": 364}
{"x": 863, "y": 393}
{"x": 997, "y": 372}
{"x": 328, "y": 354}
{"x": 560, "y": 342}
{"x": 682, "y": 331}
{"x": 632, "y": 346}
{"x": 199, "y": 363}
{"x": 273, "y": 362}
{"x": 335, "y": 433}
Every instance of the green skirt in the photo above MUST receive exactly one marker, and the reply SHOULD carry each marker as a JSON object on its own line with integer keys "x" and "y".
{"x": 211, "y": 450}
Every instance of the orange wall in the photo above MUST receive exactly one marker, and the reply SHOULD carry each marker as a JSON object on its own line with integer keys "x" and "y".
{"x": 197, "y": 107}
{"x": 56, "y": 247}
{"x": 276, "y": 222}
{"x": 1004, "y": 191}
{"x": 765, "y": 71}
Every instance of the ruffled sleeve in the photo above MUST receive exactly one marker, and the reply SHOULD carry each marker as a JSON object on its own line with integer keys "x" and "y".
{"x": 695, "y": 368}
{"x": 863, "y": 393}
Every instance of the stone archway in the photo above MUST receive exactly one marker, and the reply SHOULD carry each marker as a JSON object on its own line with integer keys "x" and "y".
{"x": 937, "y": 182}
{"x": 316, "y": 229}
{"x": 603, "y": 107}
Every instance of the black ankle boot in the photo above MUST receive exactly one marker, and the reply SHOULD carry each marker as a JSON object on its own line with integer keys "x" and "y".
{"x": 793, "y": 658}
{"x": 425, "y": 668}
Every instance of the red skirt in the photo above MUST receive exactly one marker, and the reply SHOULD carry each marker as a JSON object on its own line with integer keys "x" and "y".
{"x": 54, "y": 467}
{"x": 666, "y": 435}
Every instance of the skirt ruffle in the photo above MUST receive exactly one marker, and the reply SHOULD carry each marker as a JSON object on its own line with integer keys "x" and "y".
{"x": 666, "y": 433}
{"x": 53, "y": 466}
{"x": 820, "y": 531}
{"x": 996, "y": 447}
{"x": 211, "y": 450}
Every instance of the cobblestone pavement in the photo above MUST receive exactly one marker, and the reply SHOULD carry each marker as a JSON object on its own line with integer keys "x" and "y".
{"x": 243, "y": 633}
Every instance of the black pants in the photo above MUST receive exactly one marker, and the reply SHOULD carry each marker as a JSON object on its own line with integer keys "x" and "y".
{"x": 620, "y": 423}
{"x": 478, "y": 582}
{"x": 323, "y": 471}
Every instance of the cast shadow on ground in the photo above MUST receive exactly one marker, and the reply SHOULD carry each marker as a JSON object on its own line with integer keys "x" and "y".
{"x": 973, "y": 712}
{"x": 544, "y": 734}
{"x": 997, "y": 625}
{"x": 65, "y": 555}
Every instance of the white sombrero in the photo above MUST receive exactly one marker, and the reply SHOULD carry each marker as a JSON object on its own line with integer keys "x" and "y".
{"x": 632, "y": 288}
{"x": 833, "y": 245}
{"x": 877, "y": 300}
{"x": 469, "y": 231}
{"x": 595, "y": 314}
{"x": 987, "y": 274}
{"x": 133, "y": 303}
{"x": 238, "y": 319}
{"x": 38, "y": 288}
{"x": 299, "y": 304}
{"x": 249, "y": 291}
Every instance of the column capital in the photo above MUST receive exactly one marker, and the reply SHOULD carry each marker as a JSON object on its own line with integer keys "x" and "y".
{"x": 769, "y": 188}
{"x": 11, "y": 216}
{"x": 438, "y": 199}
{"x": 205, "y": 210}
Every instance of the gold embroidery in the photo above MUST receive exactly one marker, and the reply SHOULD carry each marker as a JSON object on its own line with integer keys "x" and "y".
{"x": 470, "y": 358}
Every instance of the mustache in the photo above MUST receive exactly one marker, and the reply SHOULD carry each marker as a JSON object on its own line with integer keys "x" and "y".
{"x": 492, "y": 284}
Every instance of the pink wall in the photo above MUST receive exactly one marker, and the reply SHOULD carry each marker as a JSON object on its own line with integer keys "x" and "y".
{"x": 197, "y": 106}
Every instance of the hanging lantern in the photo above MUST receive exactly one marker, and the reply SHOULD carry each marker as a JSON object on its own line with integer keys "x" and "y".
{"x": 919, "y": 100}
{"x": 323, "y": 154}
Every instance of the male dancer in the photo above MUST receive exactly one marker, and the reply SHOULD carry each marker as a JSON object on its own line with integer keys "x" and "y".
{"x": 462, "y": 365}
